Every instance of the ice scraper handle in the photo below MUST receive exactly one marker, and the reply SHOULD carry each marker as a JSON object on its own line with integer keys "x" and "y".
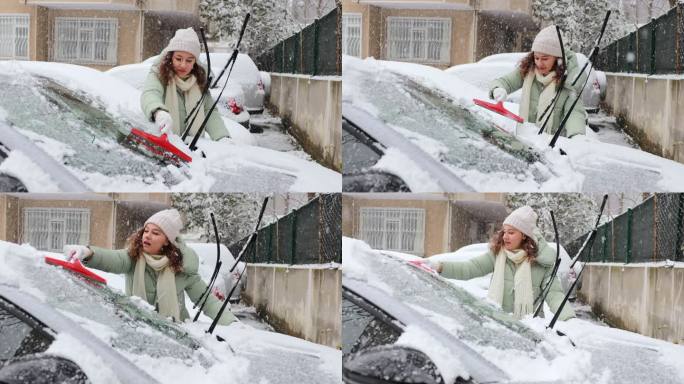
{"x": 164, "y": 121}
{"x": 499, "y": 94}
{"x": 426, "y": 266}
{"x": 80, "y": 252}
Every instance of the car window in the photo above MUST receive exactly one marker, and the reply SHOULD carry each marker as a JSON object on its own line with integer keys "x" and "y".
{"x": 74, "y": 128}
{"x": 455, "y": 136}
{"x": 361, "y": 329}
{"x": 21, "y": 335}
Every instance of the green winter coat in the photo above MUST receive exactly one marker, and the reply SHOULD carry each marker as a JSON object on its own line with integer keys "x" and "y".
{"x": 541, "y": 271}
{"x": 576, "y": 122}
{"x": 118, "y": 261}
{"x": 154, "y": 94}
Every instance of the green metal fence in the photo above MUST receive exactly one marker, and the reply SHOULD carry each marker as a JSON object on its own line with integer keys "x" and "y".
{"x": 655, "y": 48}
{"x": 651, "y": 231}
{"x": 312, "y": 51}
{"x": 311, "y": 234}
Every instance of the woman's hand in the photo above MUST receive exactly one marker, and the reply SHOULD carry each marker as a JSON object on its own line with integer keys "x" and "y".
{"x": 499, "y": 94}
{"x": 164, "y": 121}
{"x": 79, "y": 251}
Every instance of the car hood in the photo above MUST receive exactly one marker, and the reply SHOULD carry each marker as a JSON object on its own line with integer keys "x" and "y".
{"x": 167, "y": 352}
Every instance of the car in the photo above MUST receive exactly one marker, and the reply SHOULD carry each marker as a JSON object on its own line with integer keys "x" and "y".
{"x": 245, "y": 73}
{"x": 232, "y": 99}
{"x": 56, "y": 324}
{"x": 226, "y": 280}
{"x": 482, "y": 73}
{"x": 67, "y": 129}
{"x": 403, "y": 324}
{"x": 486, "y": 151}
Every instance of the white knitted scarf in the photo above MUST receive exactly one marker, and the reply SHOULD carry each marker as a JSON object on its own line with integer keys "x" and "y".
{"x": 545, "y": 98}
{"x": 167, "y": 299}
{"x": 522, "y": 281}
{"x": 192, "y": 93}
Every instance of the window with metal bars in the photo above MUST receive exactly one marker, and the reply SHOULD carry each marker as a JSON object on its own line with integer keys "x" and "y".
{"x": 14, "y": 36}
{"x": 86, "y": 41}
{"x": 351, "y": 34}
{"x": 393, "y": 229}
{"x": 423, "y": 39}
{"x": 49, "y": 229}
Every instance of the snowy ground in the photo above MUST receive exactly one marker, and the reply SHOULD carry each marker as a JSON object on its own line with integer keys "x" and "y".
{"x": 609, "y": 131}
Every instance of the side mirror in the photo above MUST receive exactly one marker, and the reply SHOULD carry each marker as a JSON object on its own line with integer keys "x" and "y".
{"x": 41, "y": 369}
{"x": 390, "y": 364}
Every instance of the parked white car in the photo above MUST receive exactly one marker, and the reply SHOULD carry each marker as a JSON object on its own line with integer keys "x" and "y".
{"x": 244, "y": 73}
{"x": 482, "y": 73}
{"x": 225, "y": 280}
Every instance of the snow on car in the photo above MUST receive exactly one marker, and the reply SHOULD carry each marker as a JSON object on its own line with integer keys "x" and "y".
{"x": 226, "y": 280}
{"x": 49, "y": 313}
{"x": 79, "y": 118}
{"x": 391, "y": 309}
{"x": 486, "y": 151}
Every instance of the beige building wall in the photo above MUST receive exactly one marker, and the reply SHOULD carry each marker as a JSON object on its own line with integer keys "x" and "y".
{"x": 524, "y": 6}
{"x": 129, "y": 33}
{"x": 436, "y": 230}
{"x": 8, "y": 218}
{"x": 101, "y": 217}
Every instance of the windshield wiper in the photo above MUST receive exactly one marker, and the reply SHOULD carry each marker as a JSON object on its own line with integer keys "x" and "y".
{"x": 205, "y": 295}
{"x": 590, "y": 242}
{"x": 547, "y": 288}
{"x": 252, "y": 236}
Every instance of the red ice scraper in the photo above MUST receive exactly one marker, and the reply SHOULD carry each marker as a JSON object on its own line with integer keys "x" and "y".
{"x": 159, "y": 146}
{"x": 75, "y": 265}
{"x": 498, "y": 108}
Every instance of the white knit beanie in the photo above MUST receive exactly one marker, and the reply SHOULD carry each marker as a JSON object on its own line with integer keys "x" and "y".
{"x": 547, "y": 42}
{"x": 169, "y": 221}
{"x": 184, "y": 40}
{"x": 523, "y": 219}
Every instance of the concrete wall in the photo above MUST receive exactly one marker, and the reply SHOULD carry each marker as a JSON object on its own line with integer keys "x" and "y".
{"x": 300, "y": 301}
{"x": 642, "y": 299}
{"x": 652, "y": 108}
{"x": 312, "y": 107}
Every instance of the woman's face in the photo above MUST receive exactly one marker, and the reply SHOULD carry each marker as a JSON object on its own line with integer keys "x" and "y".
{"x": 153, "y": 239}
{"x": 182, "y": 63}
{"x": 544, "y": 62}
{"x": 512, "y": 238}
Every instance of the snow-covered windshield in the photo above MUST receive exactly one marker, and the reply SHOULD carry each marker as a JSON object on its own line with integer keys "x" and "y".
{"x": 449, "y": 307}
{"x": 447, "y": 131}
{"x": 73, "y": 126}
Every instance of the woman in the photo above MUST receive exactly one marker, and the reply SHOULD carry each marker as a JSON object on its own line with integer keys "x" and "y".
{"x": 159, "y": 267}
{"x": 175, "y": 85}
{"x": 522, "y": 263}
{"x": 539, "y": 75}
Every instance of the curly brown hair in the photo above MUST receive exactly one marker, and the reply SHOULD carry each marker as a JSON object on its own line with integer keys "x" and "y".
{"x": 528, "y": 244}
{"x": 135, "y": 250}
{"x": 166, "y": 72}
{"x": 527, "y": 64}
